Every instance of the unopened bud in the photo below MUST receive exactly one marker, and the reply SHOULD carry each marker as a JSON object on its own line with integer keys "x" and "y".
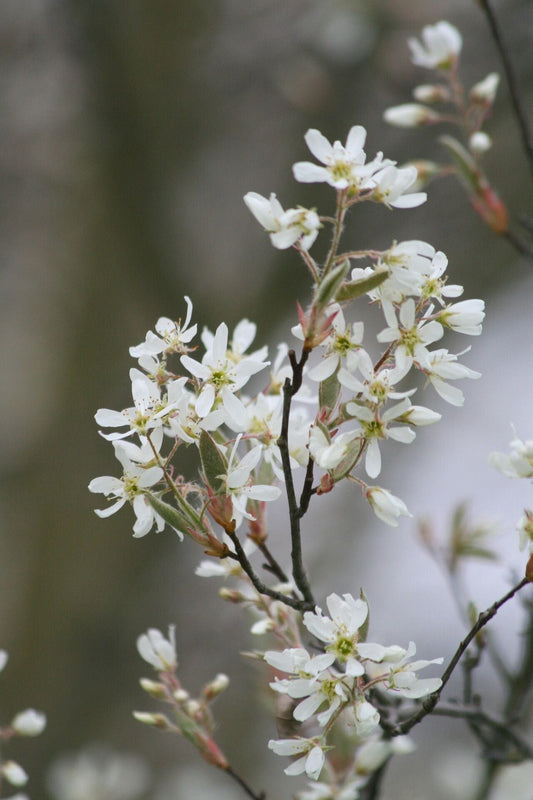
{"x": 480, "y": 142}
{"x": 14, "y": 773}
{"x": 29, "y": 723}
{"x": 431, "y": 94}
{"x": 153, "y": 688}
{"x": 231, "y": 595}
{"x": 181, "y": 695}
{"x": 411, "y": 115}
{"x": 194, "y": 709}
{"x": 155, "y": 720}
{"x": 484, "y": 92}
{"x": 219, "y": 684}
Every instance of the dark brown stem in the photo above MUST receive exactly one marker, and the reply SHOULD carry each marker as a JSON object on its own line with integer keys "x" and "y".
{"x": 242, "y": 783}
{"x": 289, "y": 390}
{"x": 272, "y": 565}
{"x": 523, "y": 123}
{"x": 262, "y": 588}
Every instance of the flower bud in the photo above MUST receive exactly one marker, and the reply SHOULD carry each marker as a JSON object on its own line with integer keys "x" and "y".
{"x": 411, "y": 115}
{"x": 153, "y": 688}
{"x": 231, "y": 595}
{"x": 219, "y": 684}
{"x": 181, "y": 695}
{"x": 14, "y": 773}
{"x": 29, "y": 722}
{"x": 155, "y": 720}
{"x": 431, "y": 94}
{"x": 480, "y": 142}
{"x": 484, "y": 92}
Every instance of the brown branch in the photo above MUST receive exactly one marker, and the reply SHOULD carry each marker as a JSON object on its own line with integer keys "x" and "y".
{"x": 289, "y": 390}
{"x": 242, "y": 783}
{"x": 521, "y": 116}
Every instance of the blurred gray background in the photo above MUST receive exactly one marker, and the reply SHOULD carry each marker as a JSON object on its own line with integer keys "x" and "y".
{"x": 129, "y": 133}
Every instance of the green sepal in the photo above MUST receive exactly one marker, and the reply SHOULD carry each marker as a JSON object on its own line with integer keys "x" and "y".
{"x": 170, "y": 514}
{"x": 363, "y": 630}
{"x": 353, "y": 289}
{"x": 214, "y": 463}
{"x": 329, "y": 286}
{"x": 466, "y": 166}
{"x": 329, "y": 391}
{"x": 349, "y": 461}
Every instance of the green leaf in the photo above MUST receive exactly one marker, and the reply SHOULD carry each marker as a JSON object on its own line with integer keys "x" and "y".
{"x": 353, "y": 289}
{"x": 363, "y": 630}
{"x": 214, "y": 463}
{"x": 170, "y": 514}
{"x": 327, "y": 289}
{"x": 328, "y": 392}
{"x": 466, "y": 166}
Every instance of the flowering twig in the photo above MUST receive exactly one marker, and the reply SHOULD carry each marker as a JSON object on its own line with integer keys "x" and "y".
{"x": 523, "y": 123}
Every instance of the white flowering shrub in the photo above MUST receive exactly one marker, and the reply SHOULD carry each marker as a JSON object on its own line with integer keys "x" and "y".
{"x": 331, "y": 398}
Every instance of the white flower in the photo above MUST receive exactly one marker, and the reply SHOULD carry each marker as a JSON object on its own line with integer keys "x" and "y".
{"x": 341, "y": 632}
{"x": 239, "y": 485}
{"x": 519, "y": 462}
{"x": 410, "y": 115}
{"x": 377, "y": 387}
{"x": 440, "y": 46}
{"x": 400, "y": 673}
{"x": 157, "y": 650}
{"x": 343, "y": 343}
{"x": 392, "y": 185}
{"x": 29, "y": 722}
{"x": 386, "y": 506}
{"x": 329, "y": 454}
{"x": 147, "y": 413}
{"x": 480, "y": 142}
{"x": 312, "y": 756}
{"x": 131, "y": 487}
{"x": 366, "y": 719}
{"x": 285, "y": 227}
{"x": 464, "y": 317}
{"x": 375, "y": 426}
{"x": 221, "y": 373}
{"x": 3, "y": 659}
{"x": 344, "y": 166}
{"x": 173, "y": 337}
{"x": 525, "y": 531}
{"x": 412, "y": 337}
{"x": 442, "y": 366}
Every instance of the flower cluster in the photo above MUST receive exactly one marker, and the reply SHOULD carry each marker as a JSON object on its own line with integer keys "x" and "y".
{"x": 340, "y": 680}
{"x": 26, "y": 723}
{"x": 440, "y": 50}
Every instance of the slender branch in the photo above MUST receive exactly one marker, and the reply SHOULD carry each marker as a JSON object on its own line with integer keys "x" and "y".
{"x": 481, "y": 718}
{"x": 307, "y": 489}
{"x": 249, "y": 791}
{"x": 523, "y": 123}
{"x": 272, "y": 565}
{"x": 262, "y": 588}
{"x": 428, "y": 705}
{"x": 289, "y": 390}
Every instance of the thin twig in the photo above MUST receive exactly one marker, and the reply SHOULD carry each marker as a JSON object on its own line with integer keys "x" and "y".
{"x": 428, "y": 705}
{"x": 272, "y": 565}
{"x": 249, "y": 791}
{"x": 523, "y": 123}
{"x": 262, "y": 588}
{"x": 481, "y": 718}
{"x": 289, "y": 390}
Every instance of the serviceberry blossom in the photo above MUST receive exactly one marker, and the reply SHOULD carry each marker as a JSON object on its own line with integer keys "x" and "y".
{"x": 285, "y": 227}
{"x": 392, "y": 185}
{"x": 132, "y": 487}
{"x": 239, "y": 485}
{"x": 518, "y": 463}
{"x": 341, "y": 346}
{"x": 376, "y": 426}
{"x": 439, "y": 48}
{"x": 400, "y": 673}
{"x": 464, "y": 317}
{"x": 311, "y": 754}
{"x": 149, "y": 410}
{"x": 158, "y": 650}
{"x": 344, "y": 166}
{"x": 525, "y": 531}
{"x": 328, "y": 453}
{"x": 410, "y": 115}
{"x": 411, "y": 335}
{"x": 219, "y": 373}
{"x": 341, "y": 631}
{"x": 441, "y": 367}
{"x": 29, "y": 722}
{"x": 386, "y": 506}
{"x": 171, "y": 337}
